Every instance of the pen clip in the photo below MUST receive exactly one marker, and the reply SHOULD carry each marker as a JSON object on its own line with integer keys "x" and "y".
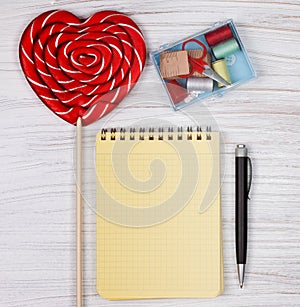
{"x": 250, "y": 177}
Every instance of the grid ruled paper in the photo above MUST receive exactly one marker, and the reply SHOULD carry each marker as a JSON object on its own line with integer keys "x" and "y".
{"x": 155, "y": 237}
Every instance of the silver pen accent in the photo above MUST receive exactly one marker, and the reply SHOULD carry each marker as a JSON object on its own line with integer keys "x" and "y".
{"x": 241, "y": 274}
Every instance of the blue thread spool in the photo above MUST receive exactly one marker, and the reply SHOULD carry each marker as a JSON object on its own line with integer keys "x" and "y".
{"x": 226, "y": 48}
{"x": 238, "y": 67}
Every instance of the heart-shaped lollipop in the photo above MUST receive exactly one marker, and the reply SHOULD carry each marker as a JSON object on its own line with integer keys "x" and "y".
{"x": 82, "y": 68}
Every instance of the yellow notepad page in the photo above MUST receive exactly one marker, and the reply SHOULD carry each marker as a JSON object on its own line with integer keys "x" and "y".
{"x": 159, "y": 231}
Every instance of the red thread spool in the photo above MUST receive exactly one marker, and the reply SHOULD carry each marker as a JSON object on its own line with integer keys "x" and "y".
{"x": 218, "y": 35}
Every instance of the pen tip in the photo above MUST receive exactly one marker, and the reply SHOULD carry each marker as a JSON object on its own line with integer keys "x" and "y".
{"x": 241, "y": 274}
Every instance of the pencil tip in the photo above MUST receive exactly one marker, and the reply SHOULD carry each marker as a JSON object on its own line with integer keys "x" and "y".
{"x": 241, "y": 286}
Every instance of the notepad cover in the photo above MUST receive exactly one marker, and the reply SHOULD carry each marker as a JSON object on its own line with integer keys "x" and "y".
{"x": 159, "y": 231}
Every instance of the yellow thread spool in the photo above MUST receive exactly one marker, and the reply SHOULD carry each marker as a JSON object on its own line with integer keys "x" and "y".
{"x": 221, "y": 69}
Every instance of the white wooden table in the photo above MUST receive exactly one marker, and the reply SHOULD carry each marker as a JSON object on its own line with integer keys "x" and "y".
{"x": 37, "y": 208}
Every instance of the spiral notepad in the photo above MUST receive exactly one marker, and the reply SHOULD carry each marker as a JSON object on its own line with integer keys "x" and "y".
{"x": 159, "y": 231}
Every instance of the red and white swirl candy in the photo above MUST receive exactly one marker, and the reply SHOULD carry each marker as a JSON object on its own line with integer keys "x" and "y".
{"x": 82, "y": 68}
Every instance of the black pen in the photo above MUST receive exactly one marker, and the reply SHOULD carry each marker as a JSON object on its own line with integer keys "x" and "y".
{"x": 242, "y": 187}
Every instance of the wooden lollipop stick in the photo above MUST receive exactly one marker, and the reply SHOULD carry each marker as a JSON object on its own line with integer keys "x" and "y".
{"x": 78, "y": 213}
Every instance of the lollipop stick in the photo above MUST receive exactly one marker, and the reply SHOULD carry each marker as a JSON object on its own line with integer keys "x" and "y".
{"x": 78, "y": 213}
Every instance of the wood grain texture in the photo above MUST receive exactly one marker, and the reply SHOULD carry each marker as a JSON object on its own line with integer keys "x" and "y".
{"x": 37, "y": 208}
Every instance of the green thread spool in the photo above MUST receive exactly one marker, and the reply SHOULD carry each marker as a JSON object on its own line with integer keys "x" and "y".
{"x": 226, "y": 48}
{"x": 220, "y": 68}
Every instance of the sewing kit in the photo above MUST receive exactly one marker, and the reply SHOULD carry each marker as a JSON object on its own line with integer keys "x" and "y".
{"x": 208, "y": 63}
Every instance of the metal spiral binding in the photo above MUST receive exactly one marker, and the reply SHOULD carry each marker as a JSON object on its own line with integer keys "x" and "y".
{"x": 132, "y": 133}
{"x": 113, "y": 134}
{"x": 122, "y": 134}
{"x": 199, "y": 133}
{"x": 189, "y": 133}
{"x": 151, "y": 134}
{"x": 103, "y": 134}
{"x": 170, "y": 133}
{"x": 208, "y": 135}
{"x": 142, "y": 135}
{"x": 160, "y": 134}
{"x": 179, "y": 133}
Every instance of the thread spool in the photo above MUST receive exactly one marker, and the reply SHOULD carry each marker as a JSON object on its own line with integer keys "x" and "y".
{"x": 238, "y": 67}
{"x": 199, "y": 85}
{"x": 226, "y": 48}
{"x": 220, "y": 68}
{"x": 218, "y": 35}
